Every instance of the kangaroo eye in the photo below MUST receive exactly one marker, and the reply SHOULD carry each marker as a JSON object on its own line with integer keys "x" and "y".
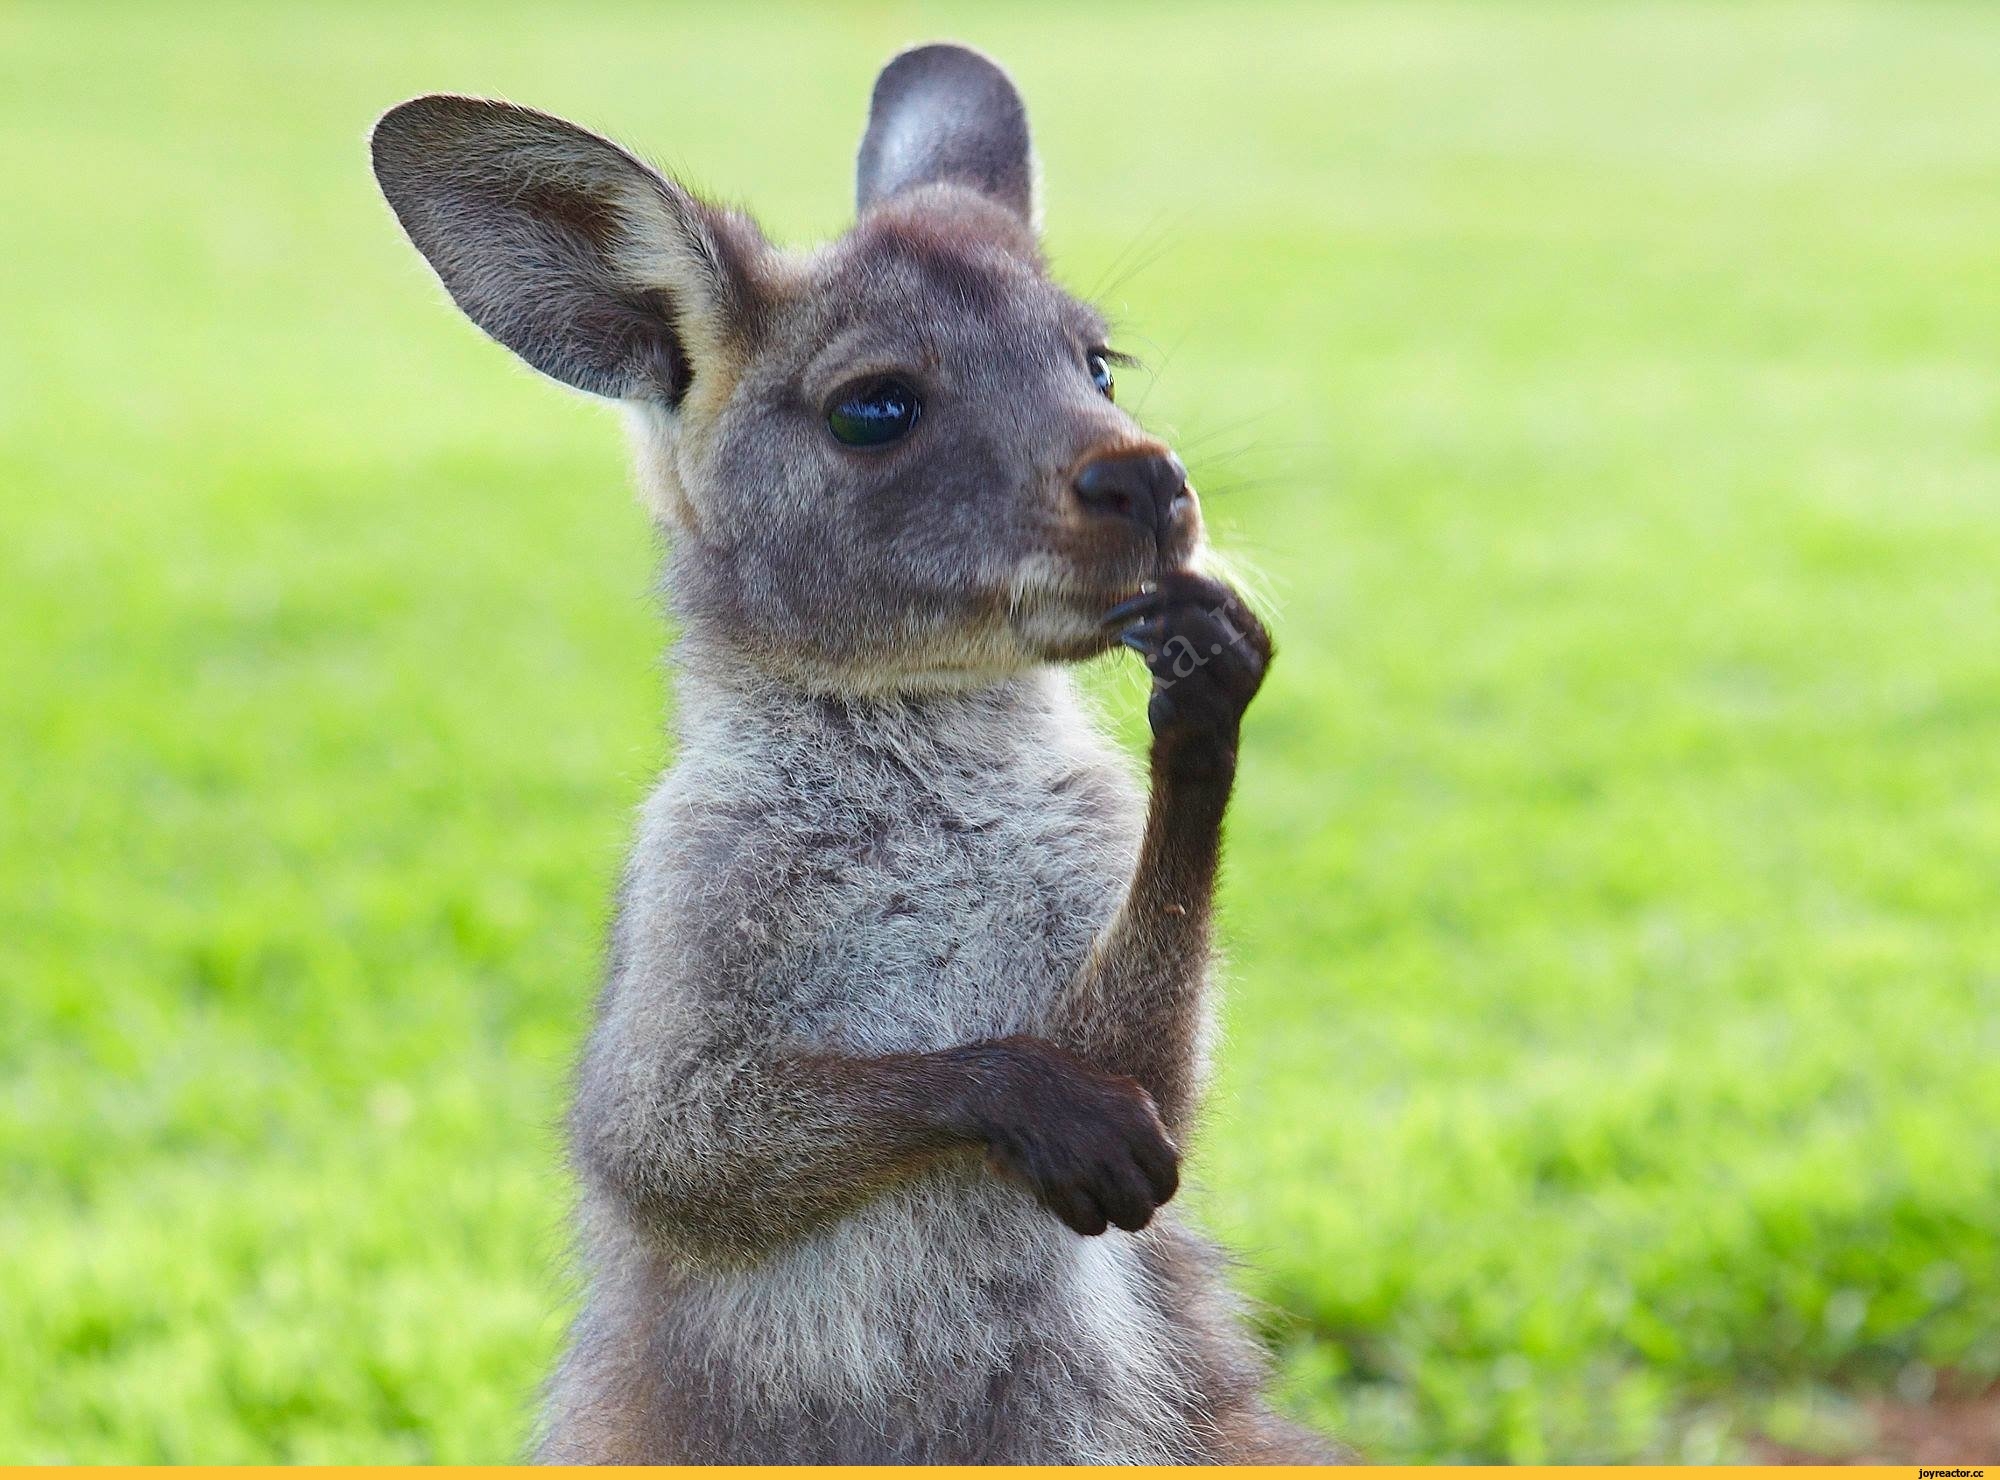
{"x": 873, "y": 414}
{"x": 1100, "y": 375}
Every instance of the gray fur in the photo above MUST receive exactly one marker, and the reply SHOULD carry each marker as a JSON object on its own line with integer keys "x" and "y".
{"x": 908, "y": 994}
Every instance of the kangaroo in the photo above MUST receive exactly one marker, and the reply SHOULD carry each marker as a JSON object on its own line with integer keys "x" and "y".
{"x": 906, "y": 1008}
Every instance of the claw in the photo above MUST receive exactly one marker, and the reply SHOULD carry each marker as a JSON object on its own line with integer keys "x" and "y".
{"x": 1143, "y": 637}
{"x": 1133, "y": 606}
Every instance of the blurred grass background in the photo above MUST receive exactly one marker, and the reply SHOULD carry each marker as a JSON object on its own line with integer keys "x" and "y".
{"x": 1610, "y": 397}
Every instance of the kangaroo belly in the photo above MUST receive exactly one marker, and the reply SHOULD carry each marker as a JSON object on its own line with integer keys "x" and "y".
{"x": 949, "y": 1320}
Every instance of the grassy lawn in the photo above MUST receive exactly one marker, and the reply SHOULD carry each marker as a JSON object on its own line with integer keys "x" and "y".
{"x": 1610, "y": 401}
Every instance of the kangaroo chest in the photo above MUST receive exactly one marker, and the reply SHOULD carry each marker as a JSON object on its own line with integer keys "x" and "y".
{"x": 953, "y": 906}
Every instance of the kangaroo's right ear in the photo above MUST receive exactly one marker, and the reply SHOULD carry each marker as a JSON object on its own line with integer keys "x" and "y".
{"x": 947, "y": 114}
{"x": 591, "y": 266}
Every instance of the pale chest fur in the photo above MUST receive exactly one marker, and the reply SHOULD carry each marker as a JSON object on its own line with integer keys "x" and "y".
{"x": 908, "y": 876}
{"x": 905, "y": 878}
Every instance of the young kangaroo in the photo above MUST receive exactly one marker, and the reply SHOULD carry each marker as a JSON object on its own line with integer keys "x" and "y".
{"x": 906, "y": 1005}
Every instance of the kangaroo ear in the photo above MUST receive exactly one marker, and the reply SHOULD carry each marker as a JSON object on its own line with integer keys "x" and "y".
{"x": 947, "y": 114}
{"x": 589, "y": 265}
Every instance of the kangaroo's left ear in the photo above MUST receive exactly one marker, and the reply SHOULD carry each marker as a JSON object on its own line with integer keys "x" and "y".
{"x": 588, "y": 264}
{"x": 946, "y": 114}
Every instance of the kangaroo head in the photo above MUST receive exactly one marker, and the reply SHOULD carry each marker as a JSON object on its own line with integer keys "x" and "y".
{"x": 890, "y": 461}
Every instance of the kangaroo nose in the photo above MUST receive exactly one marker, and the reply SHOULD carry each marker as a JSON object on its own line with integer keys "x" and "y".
{"x": 1145, "y": 487}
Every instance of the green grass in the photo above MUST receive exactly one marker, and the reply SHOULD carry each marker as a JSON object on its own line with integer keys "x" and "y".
{"x": 1614, "y": 891}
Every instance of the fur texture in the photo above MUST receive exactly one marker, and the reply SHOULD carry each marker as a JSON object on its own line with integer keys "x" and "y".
{"x": 907, "y": 1004}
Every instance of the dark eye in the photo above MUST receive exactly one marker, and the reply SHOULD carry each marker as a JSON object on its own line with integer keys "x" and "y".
{"x": 1100, "y": 375}
{"x": 873, "y": 414}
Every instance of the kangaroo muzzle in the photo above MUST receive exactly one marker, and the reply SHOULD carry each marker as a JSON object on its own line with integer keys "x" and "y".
{"x": 1148, "y": 488}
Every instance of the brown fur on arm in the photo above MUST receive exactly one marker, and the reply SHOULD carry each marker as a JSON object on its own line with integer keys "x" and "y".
{"x": 721, "y": 1155}
{"x": 1136, "y": 1008}
{"x": 742, "y": 1153}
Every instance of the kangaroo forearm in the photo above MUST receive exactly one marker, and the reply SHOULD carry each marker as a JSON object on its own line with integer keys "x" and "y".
{"x": 736, "y": 1158}
{"x": 1136, "y": 1007}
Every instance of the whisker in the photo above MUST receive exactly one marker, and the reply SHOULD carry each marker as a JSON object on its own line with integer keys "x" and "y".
{"x": 1152, "y": 242}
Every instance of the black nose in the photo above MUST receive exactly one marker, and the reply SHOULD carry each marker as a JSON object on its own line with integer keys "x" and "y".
{"x": 1145, "y": 487}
